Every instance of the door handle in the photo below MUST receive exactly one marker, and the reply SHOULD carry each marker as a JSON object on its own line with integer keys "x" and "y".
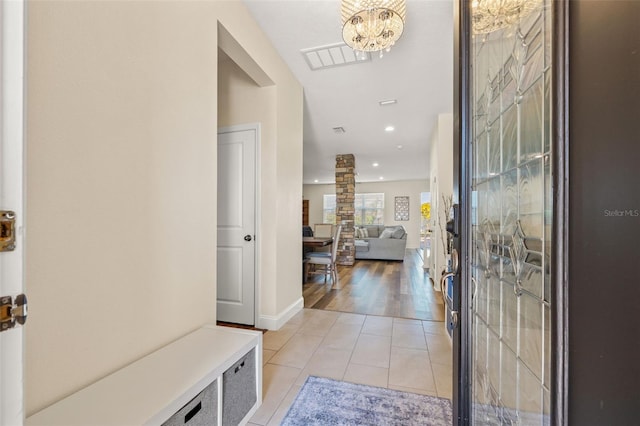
{"x": 443, "y": 283}
{"x": 454, "y": 313}
{"x": 454, "y": 319}
{"x": 247, "y": 237}
{"x": 455, "y": 265}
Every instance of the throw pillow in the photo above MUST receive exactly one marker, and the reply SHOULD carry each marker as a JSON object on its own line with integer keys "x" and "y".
{"x": 372, "y": 231}
{"x": 358, "y": 232}
{"x": 398, "y": 232}
{"x": 365, "y": 232}
{"x": 387, "y": 233}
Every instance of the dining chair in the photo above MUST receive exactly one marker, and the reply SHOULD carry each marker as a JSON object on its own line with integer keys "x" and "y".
{"x": 326, "y": 259}
{"x": 322, "y": 230}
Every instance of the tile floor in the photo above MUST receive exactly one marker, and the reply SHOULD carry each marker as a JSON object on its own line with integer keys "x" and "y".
{"x": 409, "y": 355}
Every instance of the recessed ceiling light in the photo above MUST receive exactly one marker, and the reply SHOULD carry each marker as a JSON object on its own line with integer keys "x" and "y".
{"x": 316, "y": 181}
{"x": 375, "y": 164}
{"x": 400, "y": 147}
{"x": 389, "y": 129}
{"x": 388, "y": 102}
{"x": 381, "y": 178}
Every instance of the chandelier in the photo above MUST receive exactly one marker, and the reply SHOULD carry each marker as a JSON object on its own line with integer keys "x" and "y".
{"x": 372, "y": 25}
{"x": 492, "y": 15}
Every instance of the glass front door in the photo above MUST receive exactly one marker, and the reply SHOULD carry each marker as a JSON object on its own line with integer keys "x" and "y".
{"x": 510, "y": 219}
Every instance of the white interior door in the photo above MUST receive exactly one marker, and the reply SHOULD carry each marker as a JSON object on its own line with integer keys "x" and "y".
{"x": 11, "y": 199}
{"x": 236, "y": 224}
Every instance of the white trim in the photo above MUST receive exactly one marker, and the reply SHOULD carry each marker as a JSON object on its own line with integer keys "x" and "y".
{"x": 12, "y": 130}
{"x": 257, "y": 213}
{"x": 271, "y": 322}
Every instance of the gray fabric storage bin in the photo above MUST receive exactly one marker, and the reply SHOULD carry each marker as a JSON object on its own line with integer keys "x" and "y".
{"x": 200, "y": 411}
{"x": 239, "y": 389}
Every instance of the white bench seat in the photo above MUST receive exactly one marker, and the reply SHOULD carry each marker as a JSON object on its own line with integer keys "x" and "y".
{"x": 152, "y": 389}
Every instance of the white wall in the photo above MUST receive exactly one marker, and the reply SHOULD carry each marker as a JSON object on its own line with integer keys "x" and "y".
{"x": 441, "y": 185}
{"x": 121, "y": 181}
{"x": 412, "y": 188}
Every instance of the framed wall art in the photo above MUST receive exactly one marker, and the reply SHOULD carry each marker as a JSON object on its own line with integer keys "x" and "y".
{"x": 402, "y": 208}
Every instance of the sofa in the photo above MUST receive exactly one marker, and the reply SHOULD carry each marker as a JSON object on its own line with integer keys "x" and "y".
{"x": 380, "y": 242}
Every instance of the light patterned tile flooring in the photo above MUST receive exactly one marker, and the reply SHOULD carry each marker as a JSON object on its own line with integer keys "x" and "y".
{"x": 407, "y": 355}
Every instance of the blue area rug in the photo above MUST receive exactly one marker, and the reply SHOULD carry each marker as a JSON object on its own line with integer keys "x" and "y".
{"x": 330, "y": 402}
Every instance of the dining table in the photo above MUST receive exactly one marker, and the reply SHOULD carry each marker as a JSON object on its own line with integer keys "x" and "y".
{"x": 316, "y": 241}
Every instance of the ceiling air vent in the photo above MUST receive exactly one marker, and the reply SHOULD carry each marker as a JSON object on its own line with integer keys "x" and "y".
{"x": 339, "y": 130}
{"x": 333, "y": 55}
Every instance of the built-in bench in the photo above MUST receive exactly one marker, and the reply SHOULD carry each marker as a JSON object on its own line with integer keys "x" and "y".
{"x": 212, "y": 376}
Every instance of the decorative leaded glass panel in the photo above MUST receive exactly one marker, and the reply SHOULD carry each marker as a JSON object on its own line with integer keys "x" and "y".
{"x": 512, "y": 217}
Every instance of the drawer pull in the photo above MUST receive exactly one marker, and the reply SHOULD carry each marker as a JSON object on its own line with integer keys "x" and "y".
{"x": 193, "y": 412}
{"x": 238, "y": 368}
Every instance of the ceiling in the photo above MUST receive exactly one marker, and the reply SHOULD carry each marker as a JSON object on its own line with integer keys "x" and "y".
{"x": 417, "y": 72}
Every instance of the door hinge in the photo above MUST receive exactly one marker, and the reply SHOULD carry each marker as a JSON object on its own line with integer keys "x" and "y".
{"x": 12, "y": 311}
{"x": 7, "y": 230}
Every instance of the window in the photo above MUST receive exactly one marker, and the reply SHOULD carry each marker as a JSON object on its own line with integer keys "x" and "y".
{"x": 369, "y": 209}
{"x": 329, "y": 209}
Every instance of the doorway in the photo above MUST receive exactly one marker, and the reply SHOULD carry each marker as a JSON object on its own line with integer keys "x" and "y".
{"x": 236, "y": 249}
{"x": 425, "y": 228}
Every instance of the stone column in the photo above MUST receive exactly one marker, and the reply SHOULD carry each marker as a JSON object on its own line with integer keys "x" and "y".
{"x": 345, "y": 207}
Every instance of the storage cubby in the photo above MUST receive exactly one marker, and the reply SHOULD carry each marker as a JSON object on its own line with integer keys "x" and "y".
{"x": 238, "y": 394}
{"x": 200, "y": 411}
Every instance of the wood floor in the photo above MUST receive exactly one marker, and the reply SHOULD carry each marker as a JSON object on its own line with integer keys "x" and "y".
{"x": 371, "y": 287}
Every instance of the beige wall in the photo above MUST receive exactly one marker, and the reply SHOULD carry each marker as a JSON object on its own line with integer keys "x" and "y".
{"x": 412, "y": 188}
{"x": 441, "y": 185}
{"x": 121, "y": 181}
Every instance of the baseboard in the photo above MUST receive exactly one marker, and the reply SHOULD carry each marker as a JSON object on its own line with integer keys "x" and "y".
{"x": 274, "y": 322}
